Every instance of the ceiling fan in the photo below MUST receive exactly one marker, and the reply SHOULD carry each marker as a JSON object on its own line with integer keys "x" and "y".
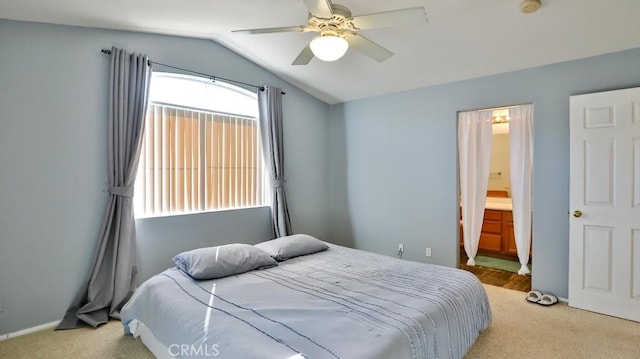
{"x": 339, "y": 30}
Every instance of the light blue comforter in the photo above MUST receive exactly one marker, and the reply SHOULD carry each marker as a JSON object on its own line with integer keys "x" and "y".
{"x": 340, "y": 303}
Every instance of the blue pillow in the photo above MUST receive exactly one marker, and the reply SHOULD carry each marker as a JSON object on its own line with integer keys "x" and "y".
{"x": 222, "y": 261}
{"x": 292, "y": 246}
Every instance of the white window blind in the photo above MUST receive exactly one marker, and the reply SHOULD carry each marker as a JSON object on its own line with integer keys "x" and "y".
{"x": 198, "y": 160}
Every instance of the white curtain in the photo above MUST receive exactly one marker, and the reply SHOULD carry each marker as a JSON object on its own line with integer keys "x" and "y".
{"x": 474, "y": 148}
{"x": 521, "y": 149}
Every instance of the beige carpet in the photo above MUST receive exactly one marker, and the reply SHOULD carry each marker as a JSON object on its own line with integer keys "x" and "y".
{"x": 519, "y": 330}
{"x": 526, "y": 330}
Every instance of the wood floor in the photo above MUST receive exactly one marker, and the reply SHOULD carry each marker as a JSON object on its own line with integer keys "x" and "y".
{"x": 498, "y": 278}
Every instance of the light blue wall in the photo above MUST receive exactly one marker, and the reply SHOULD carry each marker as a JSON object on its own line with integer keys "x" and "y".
{"x": 53, "y": 104}
{"x": 163, "y": 237}
{"x": 393, "y": 173}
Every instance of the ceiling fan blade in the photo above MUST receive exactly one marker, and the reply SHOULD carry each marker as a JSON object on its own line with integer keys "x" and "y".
{"x": 319, "y": 8}
{"x": 272, "y": 30}
{"x": 304, "y": 57}
{"x": 369, "y": 48}
{"x": 404, "y": 17}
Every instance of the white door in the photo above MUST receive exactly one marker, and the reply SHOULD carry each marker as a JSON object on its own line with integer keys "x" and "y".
{"x": 604, "y": 253}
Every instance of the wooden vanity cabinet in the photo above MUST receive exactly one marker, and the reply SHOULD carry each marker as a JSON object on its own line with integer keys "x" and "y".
{"x": 509, "y": 240}
{"x": 491, "y": 234}
{"x": 496, "y": 237}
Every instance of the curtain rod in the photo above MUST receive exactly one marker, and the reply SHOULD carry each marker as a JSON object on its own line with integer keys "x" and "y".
{"x": 497, "y": 107}
{"x": 211, "y": 77}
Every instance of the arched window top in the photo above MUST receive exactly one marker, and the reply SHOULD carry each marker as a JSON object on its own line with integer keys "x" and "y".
{"x": 202, "y": 94}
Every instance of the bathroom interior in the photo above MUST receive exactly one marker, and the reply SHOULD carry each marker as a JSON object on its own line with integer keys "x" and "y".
{"x": 497, "y": 259}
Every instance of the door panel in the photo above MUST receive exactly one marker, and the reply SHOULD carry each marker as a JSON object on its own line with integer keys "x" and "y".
{"x": 604, "y": 244}
{"x": 491, "y": 227}
{"x": 598, "y": 117}
{"x": 597, "y": 252}
{"x": 599, "y": 157}
{"x": 490, "y": 242}
{"x": 492, "y": 215}
{"x": 636, "y": 172}
{"x": 508, "y": 239}
{"x": 635, "y": 260}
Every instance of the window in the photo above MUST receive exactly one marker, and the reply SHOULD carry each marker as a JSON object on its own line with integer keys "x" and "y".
{"x": 201, "y": 148}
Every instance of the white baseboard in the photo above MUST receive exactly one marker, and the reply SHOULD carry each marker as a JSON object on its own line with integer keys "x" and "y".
{"x": 563, "y": 300}
{"x": 30, "y": 330}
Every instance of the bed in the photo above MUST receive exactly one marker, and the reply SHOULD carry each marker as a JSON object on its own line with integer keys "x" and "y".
{"x": 337, "y": 303}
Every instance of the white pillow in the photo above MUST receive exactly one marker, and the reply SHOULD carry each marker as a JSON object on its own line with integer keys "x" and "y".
{"x": 222, "y": 261}
{"x": 292, "y": 246}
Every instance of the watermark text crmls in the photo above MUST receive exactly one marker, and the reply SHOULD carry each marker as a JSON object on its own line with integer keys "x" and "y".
{"x": 192, "y": 350}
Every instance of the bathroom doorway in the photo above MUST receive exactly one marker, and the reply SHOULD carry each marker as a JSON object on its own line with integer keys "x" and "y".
{"x": 491, "y": 142}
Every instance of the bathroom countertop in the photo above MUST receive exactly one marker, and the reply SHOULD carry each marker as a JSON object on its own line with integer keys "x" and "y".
{"x": 498, "y": 203}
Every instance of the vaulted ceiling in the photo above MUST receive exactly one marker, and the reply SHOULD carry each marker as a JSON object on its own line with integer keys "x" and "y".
{"x": 462, "y": 39}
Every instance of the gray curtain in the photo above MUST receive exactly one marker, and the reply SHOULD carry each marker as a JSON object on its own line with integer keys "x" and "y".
{"x": 112, "y": 278}
{"x": 270, "y": 106}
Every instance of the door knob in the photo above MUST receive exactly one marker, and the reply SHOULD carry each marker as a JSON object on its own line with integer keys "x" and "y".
{"x": 577, "y": 213}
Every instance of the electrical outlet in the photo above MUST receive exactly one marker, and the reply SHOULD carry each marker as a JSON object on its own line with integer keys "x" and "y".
{"x": 428, "y": 252}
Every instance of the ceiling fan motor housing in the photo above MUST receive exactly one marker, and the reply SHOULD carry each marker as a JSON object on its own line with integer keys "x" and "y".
{"x": 339, "y": 24}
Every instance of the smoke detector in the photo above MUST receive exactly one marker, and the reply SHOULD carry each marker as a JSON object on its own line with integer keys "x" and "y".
{"x": 529, "y": 6}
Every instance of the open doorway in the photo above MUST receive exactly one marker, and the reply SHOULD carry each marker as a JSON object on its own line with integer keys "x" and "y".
{"x": 491, "y": 142}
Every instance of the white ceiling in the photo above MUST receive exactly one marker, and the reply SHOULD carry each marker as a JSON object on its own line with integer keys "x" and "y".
{"x": 463, "y": 38}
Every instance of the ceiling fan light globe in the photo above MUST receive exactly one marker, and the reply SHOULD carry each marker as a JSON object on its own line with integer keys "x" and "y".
{"x": 329, "y": 48}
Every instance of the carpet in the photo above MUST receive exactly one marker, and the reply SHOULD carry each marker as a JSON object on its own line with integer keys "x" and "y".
{"x": 498, "y": 263}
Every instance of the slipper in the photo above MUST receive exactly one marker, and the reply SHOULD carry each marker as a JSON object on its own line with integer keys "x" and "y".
{"x": 534, "y": 296}
{"x": 548, "y": 299}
